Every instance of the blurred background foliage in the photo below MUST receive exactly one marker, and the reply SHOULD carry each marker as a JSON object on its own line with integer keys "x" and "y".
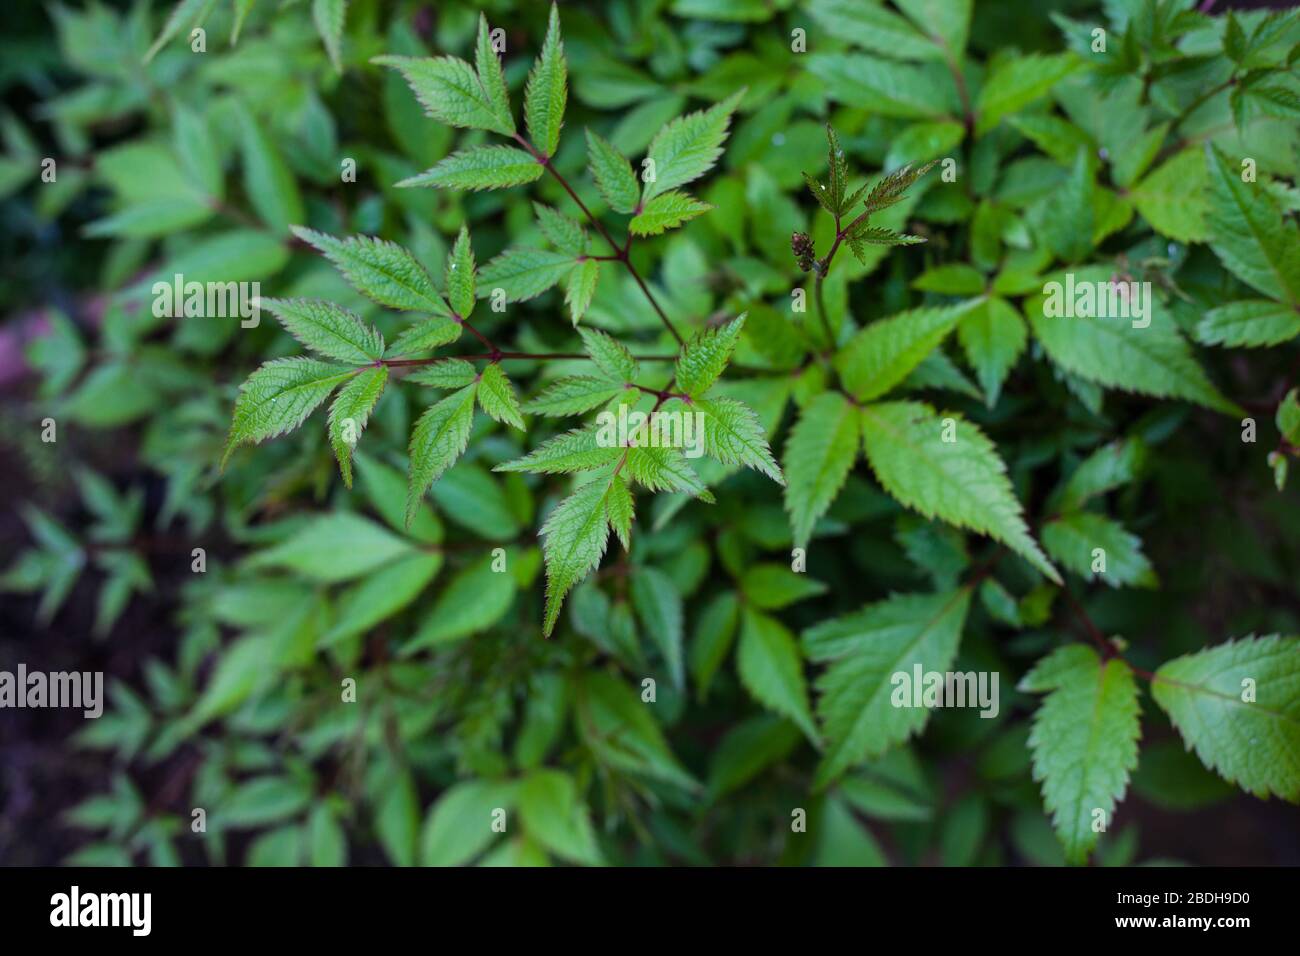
{"x": 225, "y": 685}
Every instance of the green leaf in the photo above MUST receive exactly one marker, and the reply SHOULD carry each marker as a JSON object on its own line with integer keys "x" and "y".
{"x": 1250, "y": 236}
{"x": 1250, "y": 323}
{"x": 459, "y": 825}
{"x": 686, "y": 148}
{"x": 328, "y": 329}
{"x": 490, "y": 76}
{"x": 1084, "y": 741}
{"x": 577, "y": 450}
{"x": 875, "y": 28}
{"x": 609, "y": 355}
{"x": 445, "y": 373}
{"x": 666, "y": 211}
{"x": 329, "y": 16}
{"x": 554, "y": 815}
{"x": 478, "y": 168}
{"x": 573, "y": 396}
{"x": 659, "y": 606}
{"x": 715, "y": 629}
{"x": 460, "y": 275}
{"x": 268, "y": 181}
{"x": 547, "y": 91}
{"x": 819, "y": 454}
{"x": 580, "y": 287}
{"x": 496, "y": 396}
{"x": 380, "y": 270}
{"x": 1067, "y": 217}
{"x": 427, "y": 335}
{"x": 1287, "y": 418}
{"x": 883, "y": 87}
{"x": 567, "y": 235}
{"x": 621, "y": 510}
{"x": 278, "y": 397}
{"x": 770, "y": 587}
{"x": 664, "y": 469}
{"x": 890, "y": 190}
{"x": 575, "y": 535}
{"x": 748, "y": 749}
{"x": 1236, "y": 706}
{"x": 882, "y": 354}
{"x": 621, "y": 732}
{"x": 1073, "y": 538}
{"x": 1106, "y": 469}
{"x": 523, "y": 273}
{"x": 1019, "y": 81}
{"x": 1113, "y": 352}
{"x": 865, "y": 651}
{"x": 993, "y": 336}
{"x": 350, "y": 412}
{"x": 334, "y": 547}
{"x": 451, "y": 92}
{"x": 474, "y": 600}
{"x": 704, "y": 357}
{"x": 380, "y": 595}
{"x": 734, "y": 435}
{"x": 961, "y": 481}
{"x": 771, "y": 669}
{"x": 953, "y": 278}
{"x": 613, "y": 175}
{"x": 438, "y": 439}
{"x": 1172, "y": 198}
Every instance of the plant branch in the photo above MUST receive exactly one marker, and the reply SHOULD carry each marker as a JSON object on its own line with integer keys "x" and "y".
{"x": 621, "y": 253}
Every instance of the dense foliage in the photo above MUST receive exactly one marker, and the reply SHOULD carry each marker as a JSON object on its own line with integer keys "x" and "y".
{"x": 427, "y": 611}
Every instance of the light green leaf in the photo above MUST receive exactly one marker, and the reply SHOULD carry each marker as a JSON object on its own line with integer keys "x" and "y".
{"x": 734, "y": 435}
{"x": 459, "y": 825}
{"x": 451, "y": 92}
{"x": 567, "y": 235}
{"x": 659, "y": 607}
{"x": 1236, "y": 705}
{"x": 268, "y": 181}
{"x": 438, "y": 439}
{"x": 772, "y": 671}
{"x": 706, "y": 356}
{"x": 278, "y": 397}
{"x": 573, "y": 396}
{"x": 1085, "y": 741}
{"x": 480, "y": 167}
{"x": 445, "y": 373}
{"x": 993, "y": 336}
{"x": 613, "y": 175}
{"x": 575, "y": 535}
{"x": 1019, "y": 81}
{"x": 334, "y": 547}
{"x": 770, "y": 587}
{"x": 1173, "y": 197}
{"x": 666, "y": 211}
{"x": 1151, "y": 359}
{"x": 490, "y": 76}
{"x": 1250, "y": 236}
{"x": 440, "y": 330}
{"x": 818, "y": 457}
{"x": 577, "y": 450}
{"x": 621, "y": 509}
{"x": 496, "y": 396}
{"x": 380, "y": 270}
{"x": 523, "y": 273}
{"x": 961, "y": 481}
{"x": 350, "y": 412}
{"x": 555, "y": 816}
{"x": 329, "y": 16}
{"x": 882, "y": 354}
{"x": 1073, "y": 538}
{"x": 1250, "y": 323}
{"x": 866, "y": 650}
{"x": 328, "y": 329}
{"x": 547, "y": 91}
{"x": 580, "y": 287}
{"x": 686, "y": 148}
{"x": 474, "y": 600}
{"x": 609, "y": 355}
